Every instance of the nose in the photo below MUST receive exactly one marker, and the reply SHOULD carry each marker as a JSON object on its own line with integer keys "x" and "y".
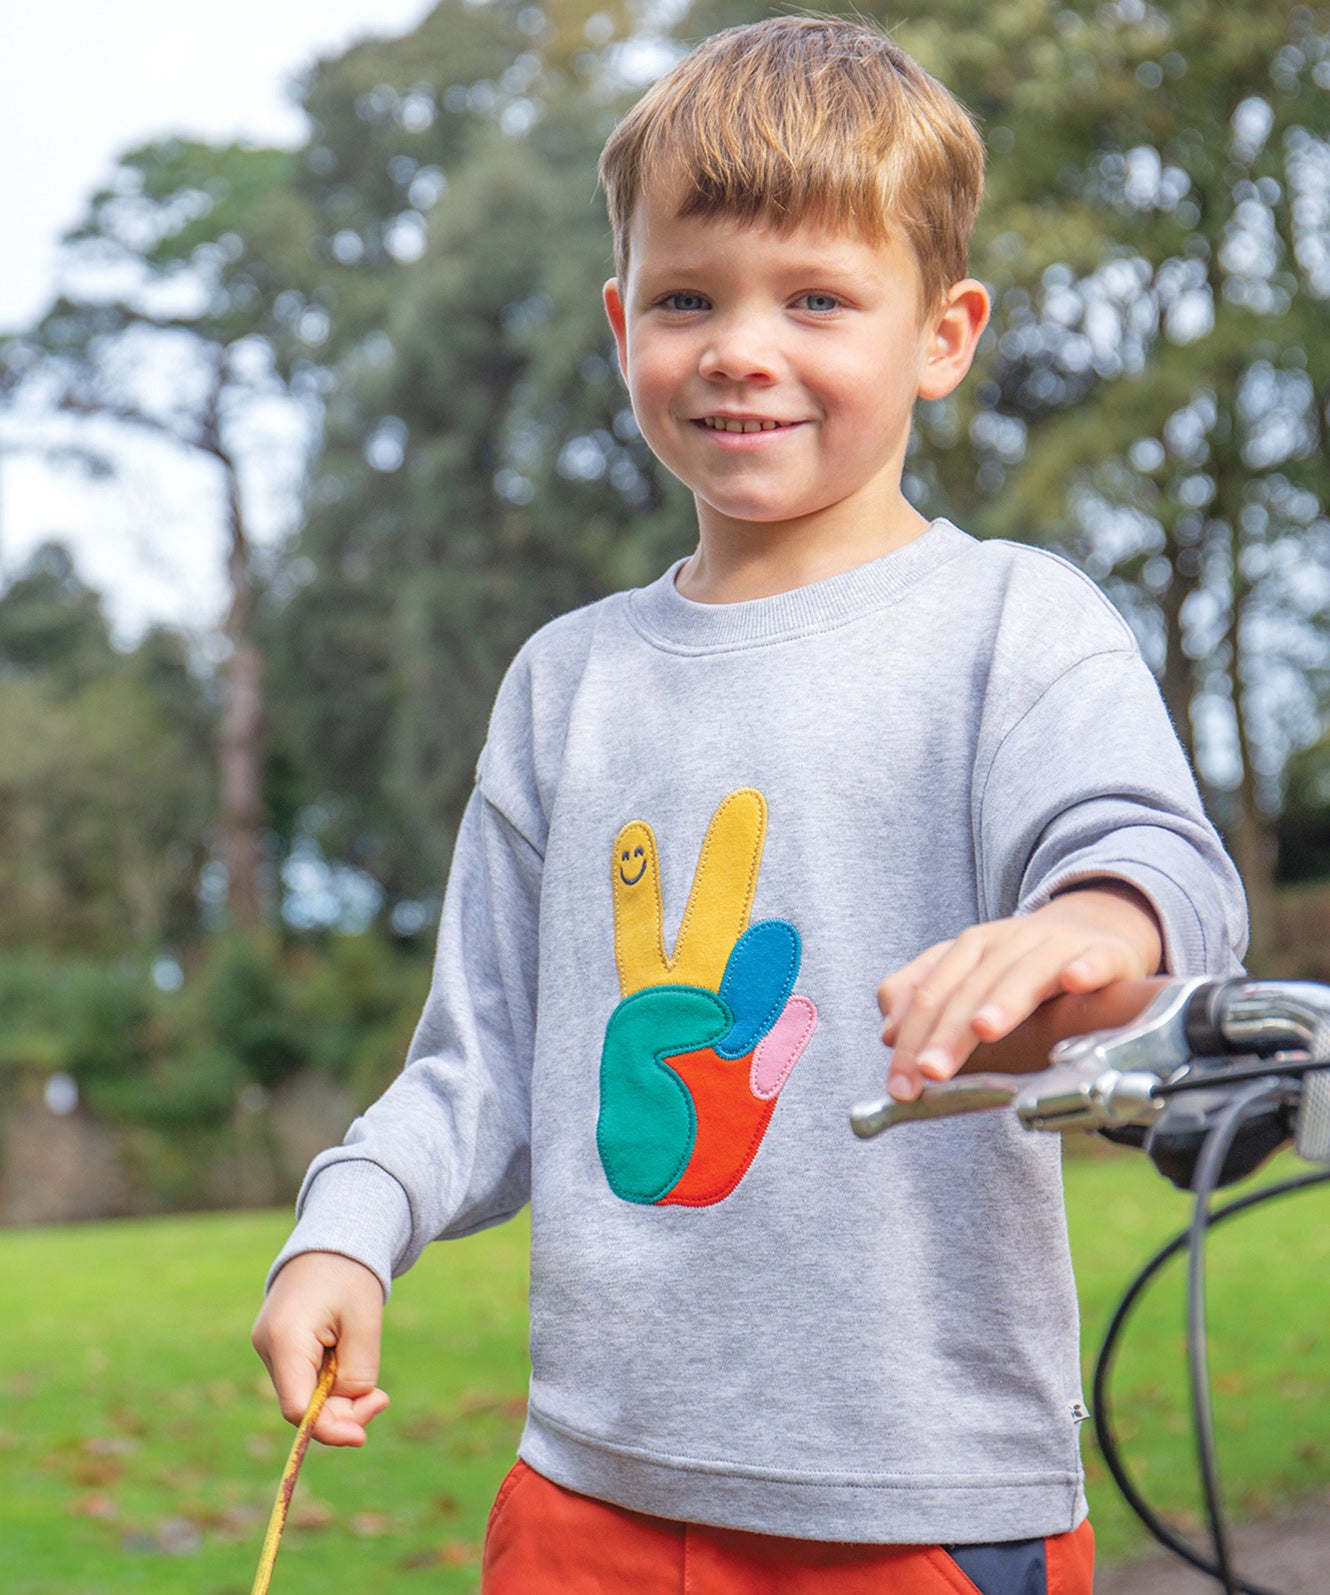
{"x": 740, "y": 349}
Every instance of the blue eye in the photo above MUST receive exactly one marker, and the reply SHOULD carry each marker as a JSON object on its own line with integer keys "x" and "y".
{"x": 819, "y": 302}
{"x": 684, "y": 302}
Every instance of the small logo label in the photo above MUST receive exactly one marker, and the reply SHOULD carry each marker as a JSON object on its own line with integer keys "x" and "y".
{"x": 1079, "y": 1412}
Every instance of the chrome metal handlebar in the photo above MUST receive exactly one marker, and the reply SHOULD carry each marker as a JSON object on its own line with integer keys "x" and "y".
{"x": 1110, "y": 1079}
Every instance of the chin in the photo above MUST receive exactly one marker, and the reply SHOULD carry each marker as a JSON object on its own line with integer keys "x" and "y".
{"x": 761, "y": 511}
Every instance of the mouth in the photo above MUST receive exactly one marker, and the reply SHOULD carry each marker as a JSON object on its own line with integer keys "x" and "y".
{"x": 742, "y": 423}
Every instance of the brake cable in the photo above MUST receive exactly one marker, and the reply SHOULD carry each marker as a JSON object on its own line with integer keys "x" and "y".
{"x": 1109, "y": 1443}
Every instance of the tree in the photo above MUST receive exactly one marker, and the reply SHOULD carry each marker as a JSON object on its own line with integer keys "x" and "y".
{"x": 479, "y": 470}
{"x": 192, "y": 303}
{"x": 52, "y": 624}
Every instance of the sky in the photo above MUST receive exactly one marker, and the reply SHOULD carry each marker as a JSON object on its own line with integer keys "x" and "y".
{"x": 80, "y": 81}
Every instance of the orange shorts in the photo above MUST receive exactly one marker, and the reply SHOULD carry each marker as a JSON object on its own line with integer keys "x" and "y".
{"x": 545, "y": 1540}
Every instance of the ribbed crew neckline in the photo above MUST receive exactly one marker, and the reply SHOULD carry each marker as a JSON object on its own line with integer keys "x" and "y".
{"x": 664, "y": 616}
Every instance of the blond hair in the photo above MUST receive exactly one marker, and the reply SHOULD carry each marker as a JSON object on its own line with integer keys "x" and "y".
{"x": 805, "y": 119}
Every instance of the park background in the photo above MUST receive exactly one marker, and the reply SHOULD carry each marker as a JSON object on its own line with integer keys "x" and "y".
{"x": 370, "y": 364}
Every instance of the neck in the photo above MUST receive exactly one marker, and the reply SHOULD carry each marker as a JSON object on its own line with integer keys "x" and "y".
{"x": 740, "y": 560}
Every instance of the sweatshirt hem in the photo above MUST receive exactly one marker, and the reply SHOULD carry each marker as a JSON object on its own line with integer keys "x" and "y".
{"x": 880, "y": 1509}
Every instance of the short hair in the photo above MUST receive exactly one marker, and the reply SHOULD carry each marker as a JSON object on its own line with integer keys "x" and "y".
{"x": 806, "y": 119}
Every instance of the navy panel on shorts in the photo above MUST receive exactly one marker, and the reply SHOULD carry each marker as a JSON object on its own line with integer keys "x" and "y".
{"x": 1017, "y": 1567}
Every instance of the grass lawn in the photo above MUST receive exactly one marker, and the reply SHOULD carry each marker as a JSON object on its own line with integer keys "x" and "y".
{"x": 139, "y": 1445}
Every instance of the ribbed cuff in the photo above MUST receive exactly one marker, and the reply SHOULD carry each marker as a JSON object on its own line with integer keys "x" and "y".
{"x": 1179, "y": 923}
{"x": 357, "y": 1209}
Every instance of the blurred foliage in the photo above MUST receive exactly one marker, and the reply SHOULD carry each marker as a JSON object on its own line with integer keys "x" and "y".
{"x": 104, "y": 805}
{"x": 248, "y": 1014}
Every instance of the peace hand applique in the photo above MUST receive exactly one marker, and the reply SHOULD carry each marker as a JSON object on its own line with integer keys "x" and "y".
{"x": 705, "y": 1038}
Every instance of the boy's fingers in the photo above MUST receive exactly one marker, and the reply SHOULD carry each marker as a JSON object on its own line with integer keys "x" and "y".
{"x": 1006, "y": 984}
{"x": 1098, "y": 965}
{"x": 320, "y": 1300}
{"x": 344, "y": 1420}
{"x": 896, "y": 991}
{"x": 356, "y": 1398}
{"x": 928, "y": 1042}
{"x": 994, "y": 1000}
{"x": 294, "y": 1376}
{"x": 359, "y": 1337}
{"x": 980, "y": 986}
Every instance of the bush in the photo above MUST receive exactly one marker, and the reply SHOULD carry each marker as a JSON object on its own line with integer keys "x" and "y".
{"x": 252, "y": 1011}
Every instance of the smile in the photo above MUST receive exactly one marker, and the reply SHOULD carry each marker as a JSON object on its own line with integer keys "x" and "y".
{"x": 734, "y": 423}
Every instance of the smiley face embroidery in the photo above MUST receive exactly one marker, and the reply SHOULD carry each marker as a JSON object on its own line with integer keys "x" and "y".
{"x": 628, "y": 861}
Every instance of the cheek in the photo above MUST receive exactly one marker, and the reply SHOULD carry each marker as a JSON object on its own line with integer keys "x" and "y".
{"x": 649, "y": 387}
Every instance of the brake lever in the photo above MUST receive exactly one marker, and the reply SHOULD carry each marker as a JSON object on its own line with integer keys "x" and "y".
{"x": 966, "y": 1093}
{"x": 1095, "y": 1081}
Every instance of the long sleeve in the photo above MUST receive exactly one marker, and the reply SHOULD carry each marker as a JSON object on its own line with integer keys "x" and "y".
{"x": 1090, "y": 781}
{"x": 446, "y": 1149}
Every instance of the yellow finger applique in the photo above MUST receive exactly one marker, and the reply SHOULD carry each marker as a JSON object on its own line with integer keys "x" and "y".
{"x": 639, "y": 914}
{"x": 719, "y": 904}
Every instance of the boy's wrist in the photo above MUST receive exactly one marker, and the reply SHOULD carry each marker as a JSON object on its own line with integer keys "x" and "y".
{"x": 1127, "y": 911}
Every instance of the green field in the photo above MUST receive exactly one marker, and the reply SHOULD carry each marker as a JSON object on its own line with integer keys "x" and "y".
{"x": 139, "y": 1445}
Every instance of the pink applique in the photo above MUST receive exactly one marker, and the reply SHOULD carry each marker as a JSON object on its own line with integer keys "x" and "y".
{"x": 780, "y": 1049}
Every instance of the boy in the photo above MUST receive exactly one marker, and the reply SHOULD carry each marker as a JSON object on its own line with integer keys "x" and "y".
{"x": 834, "y": 741}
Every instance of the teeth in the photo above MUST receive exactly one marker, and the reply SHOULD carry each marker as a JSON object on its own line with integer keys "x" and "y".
{"x": 725, "y": 423}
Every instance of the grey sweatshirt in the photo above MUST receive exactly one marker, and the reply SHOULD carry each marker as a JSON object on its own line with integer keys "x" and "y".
{"x": 700, "y": 837}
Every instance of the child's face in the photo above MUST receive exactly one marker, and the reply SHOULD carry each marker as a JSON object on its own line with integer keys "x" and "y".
{"x": 776, "y": 373}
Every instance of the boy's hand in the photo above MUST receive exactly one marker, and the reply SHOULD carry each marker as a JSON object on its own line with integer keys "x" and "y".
{"x": 980, "y": 986}
{"x": 322, "y": 1299}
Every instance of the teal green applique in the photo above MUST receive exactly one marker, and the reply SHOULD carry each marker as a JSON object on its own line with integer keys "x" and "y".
{"x": 647, "y": 1124}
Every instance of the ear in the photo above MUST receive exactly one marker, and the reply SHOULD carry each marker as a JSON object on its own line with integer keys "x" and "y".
{"x": 952, "y": 338}
{"x": 618, "y": 322}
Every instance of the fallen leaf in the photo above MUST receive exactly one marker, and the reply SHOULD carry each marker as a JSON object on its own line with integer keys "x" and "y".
{"x": 110, "y": 1445}
{"x": 453, "y": 1553}
{"x": 102, "y": 1508}
{"x": 370, "y": 1525}
{"x": 177, "y": 1536}
{"x": 311, "y": 1514}
{"x": 97, "y": 1470}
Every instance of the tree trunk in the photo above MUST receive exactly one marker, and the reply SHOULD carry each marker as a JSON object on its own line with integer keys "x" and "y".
{"x": 1175, "y": 681}
{"x": 1253, "y": 839}
{"x": 240, "y": 734}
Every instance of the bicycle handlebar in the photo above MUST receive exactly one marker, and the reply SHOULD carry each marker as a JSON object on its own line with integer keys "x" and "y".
{"x": 1111, "y": 1060}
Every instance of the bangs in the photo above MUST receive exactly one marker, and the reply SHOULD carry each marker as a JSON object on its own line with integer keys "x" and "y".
{"x": 805, "y": 120}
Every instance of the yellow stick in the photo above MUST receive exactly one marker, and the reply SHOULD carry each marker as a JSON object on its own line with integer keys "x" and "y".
{"x": 286, "y": 1489}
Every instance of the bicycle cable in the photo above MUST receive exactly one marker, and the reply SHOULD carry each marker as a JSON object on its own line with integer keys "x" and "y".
{"x": 1104, "y": 1428}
